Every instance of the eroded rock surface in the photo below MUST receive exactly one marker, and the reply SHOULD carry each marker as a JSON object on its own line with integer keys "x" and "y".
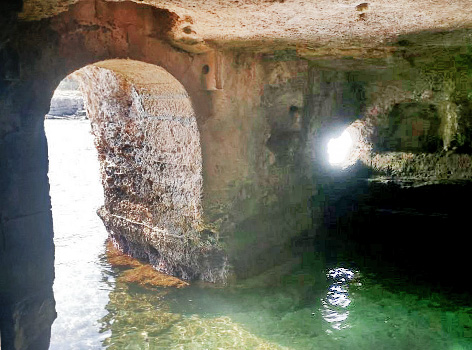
{"x": 149, "y": 149}
{"x": 268, "y": 83}
{"x": 320, "y": 28}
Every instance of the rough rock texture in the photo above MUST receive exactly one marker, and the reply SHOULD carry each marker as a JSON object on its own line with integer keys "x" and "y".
{"x": 265, "y": 102}
{"x": 321, "y": 27}
{"x": 149, "y": 149}
{"x": 411, "y": 120}
{"x": 424, "y": 166}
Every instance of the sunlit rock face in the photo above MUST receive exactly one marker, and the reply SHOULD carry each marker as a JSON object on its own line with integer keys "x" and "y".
{"x": 149, "y": 148}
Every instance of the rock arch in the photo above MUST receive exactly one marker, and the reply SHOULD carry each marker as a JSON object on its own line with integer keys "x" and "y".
{"x": 149, "y": 148}
{"x": 50, "y": 49}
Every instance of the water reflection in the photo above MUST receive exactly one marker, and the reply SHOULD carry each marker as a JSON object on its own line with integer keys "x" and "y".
{"x": 337, "y": 299}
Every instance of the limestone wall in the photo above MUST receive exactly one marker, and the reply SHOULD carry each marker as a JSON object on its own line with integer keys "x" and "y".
{"x": 149, "y": 148}
{"x": 246, "y": 196}
{"x": 238, "y": 181}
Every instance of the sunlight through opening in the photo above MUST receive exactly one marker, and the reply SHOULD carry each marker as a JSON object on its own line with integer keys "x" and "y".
{"x": 339, "y": 148}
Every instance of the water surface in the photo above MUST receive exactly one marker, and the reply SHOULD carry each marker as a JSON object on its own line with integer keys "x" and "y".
{"x": 316, "y": 303}
{"x": 80, "y": 288}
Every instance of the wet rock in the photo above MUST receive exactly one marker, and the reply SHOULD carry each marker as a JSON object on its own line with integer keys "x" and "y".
{"x": 140, "y": 273}
{"x": 118, "y": 259}
{"x": 146, "y": 276}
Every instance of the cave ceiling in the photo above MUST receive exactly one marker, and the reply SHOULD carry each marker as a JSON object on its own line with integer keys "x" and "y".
{"x": 315, "y": 28}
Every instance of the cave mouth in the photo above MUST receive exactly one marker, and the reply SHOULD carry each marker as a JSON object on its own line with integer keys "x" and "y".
{"x": 148, "y": 142}
{"x": 79, "y": 235}
{"x": 339, "y": 148}
{"x": 123, "y": 144}
{"x": 146, "y": 134}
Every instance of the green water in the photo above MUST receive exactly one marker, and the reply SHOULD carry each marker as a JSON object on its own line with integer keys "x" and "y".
{"x": 301, "y": 310}
{"x": 323, "y": 301}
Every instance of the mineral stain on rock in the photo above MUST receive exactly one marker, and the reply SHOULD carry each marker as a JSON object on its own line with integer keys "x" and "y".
{"x": 137, "y": 272}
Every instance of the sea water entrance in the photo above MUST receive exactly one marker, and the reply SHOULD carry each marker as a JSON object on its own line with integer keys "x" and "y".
{"x": 80, "y": 288}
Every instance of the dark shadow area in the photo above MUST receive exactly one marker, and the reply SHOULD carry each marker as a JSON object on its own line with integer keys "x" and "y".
{"x": 408, "y": 233}
{"x": 410, "y": 127}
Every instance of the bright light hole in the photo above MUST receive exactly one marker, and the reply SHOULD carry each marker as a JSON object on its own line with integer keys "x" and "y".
{"x": 339, "y": 148}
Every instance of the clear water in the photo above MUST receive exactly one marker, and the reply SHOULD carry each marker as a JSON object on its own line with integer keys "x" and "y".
{"x": 80, "y": 288}
{"x": 317, "y": 305}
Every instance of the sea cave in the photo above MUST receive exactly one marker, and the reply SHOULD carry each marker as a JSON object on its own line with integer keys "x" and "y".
{"x": 249, "y": 174}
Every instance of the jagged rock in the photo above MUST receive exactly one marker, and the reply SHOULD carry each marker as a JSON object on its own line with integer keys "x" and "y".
{"x": 142, "y": 118}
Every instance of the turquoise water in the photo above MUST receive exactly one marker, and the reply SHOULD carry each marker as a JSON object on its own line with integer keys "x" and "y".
{"x": 314, "y": 303}
{"x": 351, "y": 312}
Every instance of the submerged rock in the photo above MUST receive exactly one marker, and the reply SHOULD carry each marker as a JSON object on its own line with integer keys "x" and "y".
{"x": 143, "y": 274}
{"x": 146, "y": 276}
{"x": 134, "y": 318}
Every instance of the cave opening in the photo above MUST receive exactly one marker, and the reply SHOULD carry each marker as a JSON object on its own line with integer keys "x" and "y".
{"x": 338, "y": 148}
{"x": 119, "y": 132}
{"x": 403, "y": 194}
{"x": 81, "y": 282}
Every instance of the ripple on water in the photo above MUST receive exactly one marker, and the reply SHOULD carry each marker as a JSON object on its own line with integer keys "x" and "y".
{"x": 335, "y": 302}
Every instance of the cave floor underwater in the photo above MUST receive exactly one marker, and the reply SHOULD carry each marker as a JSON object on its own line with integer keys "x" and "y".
{"x": 336, "y": 295}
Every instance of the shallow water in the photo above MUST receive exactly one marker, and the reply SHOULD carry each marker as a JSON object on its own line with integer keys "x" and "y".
{"x": 80, "y": 289}
{"x": 320, "y": 304}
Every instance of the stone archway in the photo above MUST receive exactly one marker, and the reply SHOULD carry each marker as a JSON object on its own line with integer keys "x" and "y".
{"x": 87, "y": 32}
{"x": 149, "y": 148}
